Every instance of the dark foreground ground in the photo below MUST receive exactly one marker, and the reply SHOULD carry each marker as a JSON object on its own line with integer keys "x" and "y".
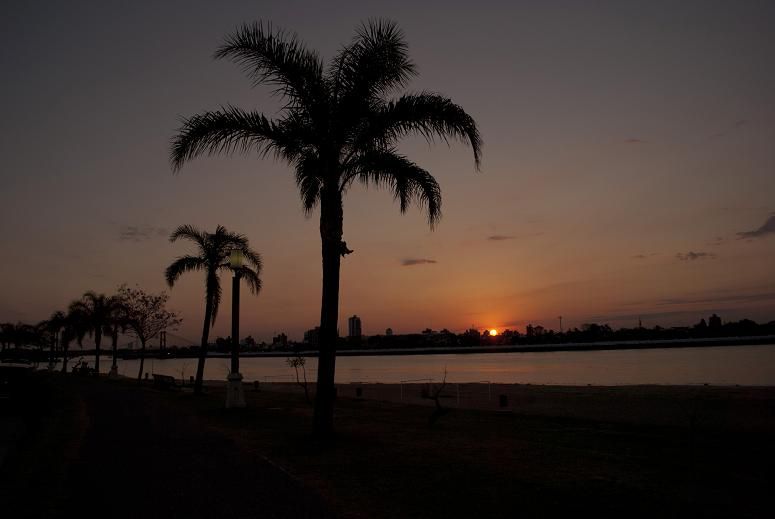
{"x": 79, "y": 447}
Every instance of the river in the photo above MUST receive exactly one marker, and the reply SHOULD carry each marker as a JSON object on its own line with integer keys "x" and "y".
{"x": 730, "y": 365}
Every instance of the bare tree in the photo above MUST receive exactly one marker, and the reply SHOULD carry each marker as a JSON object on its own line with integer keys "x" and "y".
{"x": 435, "y": 395}
{"x": 146, "y": 316}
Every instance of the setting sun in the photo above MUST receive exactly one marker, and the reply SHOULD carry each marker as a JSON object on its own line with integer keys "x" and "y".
{"x": 493, "y": 332}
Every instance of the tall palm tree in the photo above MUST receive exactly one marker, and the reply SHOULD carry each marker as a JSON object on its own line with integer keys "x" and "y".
{"x": 212, "y": 256}
{"x": 98, "y": 311}
{"x": 338, "y": 125}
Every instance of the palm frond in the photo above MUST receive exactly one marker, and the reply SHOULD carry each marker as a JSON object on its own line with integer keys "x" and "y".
{"x": 376, "y": 62}
{"x": 408, "y": 181}
{"x": 253, "y": 259}
{"x": 428, "y": 114}
{"x": 309, "y": 181}
{"x": 277, "y": 58}
{"x": 252, "y": 278}
{"x": 182, "y": 265}
{"x": 189, "y": 232}
{"x": 222, "y": 131}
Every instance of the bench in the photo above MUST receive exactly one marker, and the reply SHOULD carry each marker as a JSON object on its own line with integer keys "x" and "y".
{"x": 164, "y": 381}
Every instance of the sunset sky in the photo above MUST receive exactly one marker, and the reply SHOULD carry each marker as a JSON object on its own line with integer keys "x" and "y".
{"x": 628, "y": 171}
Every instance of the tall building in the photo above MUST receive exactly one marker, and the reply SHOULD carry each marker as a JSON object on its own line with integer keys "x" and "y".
{"x": 714, "y": 322}
{"x": 312, "y": 336}
{"x": 354, "y": 326}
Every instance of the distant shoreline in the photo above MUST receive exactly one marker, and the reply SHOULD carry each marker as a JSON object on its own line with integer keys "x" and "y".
{"x": 530, "y": 348}
{"x": 451, "y": 350}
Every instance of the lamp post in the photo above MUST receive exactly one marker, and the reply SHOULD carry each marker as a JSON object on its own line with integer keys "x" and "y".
{"x": 235, "y": 395}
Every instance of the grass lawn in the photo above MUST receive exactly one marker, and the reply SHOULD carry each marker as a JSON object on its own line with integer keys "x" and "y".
{"x": 120, "y": 449}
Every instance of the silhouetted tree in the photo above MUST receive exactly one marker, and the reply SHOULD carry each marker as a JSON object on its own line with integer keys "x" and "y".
{"x": 98, "y": 311}
{"x": 212, "y": 256}
{"x": 145, "y": 316}
{"x": 75, "y": 328}
{"x": 20, "y": 334}
{"x": 118, "y": 324}
{"x": 54, "y": 326}
{"x": 296, "y": 362}
{"x": 337, "y": 126}
{"x": 5, "y": 335}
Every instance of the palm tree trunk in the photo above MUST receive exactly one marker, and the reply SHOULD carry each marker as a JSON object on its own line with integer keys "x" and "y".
{"x": 142, "y": 360}
{"x": 114, "y": 366}
{"x": 200, "y": 367}
{"x": 97, "y": 341}
{"x": 331, "y": 237}
{"x": 65, "y": 348}
{"x": 52, "y": 352}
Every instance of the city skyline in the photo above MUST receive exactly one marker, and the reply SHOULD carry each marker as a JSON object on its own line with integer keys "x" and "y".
{"x": 627, "y": 170}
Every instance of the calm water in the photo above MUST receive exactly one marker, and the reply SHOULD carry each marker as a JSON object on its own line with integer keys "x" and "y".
{"x": 744, "y": 365}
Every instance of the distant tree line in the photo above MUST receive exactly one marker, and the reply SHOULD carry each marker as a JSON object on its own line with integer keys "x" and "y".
{"x": 130, "y": 311}
{"x": 538, "y": 335}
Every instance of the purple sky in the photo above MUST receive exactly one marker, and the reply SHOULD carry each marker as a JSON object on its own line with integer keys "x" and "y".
{"x": 628, "y": 164}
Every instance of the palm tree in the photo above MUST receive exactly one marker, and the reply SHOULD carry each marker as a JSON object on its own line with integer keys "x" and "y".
{"x": 212, "y": 256}
{"x": 20, "y": 334}
{"x": 98, "y": 311}
{"x": 54, "y": 325}
{"x": 76, "y": 326}
{"x": 338, "y": 125}
{"x": 6, "y": 335}
{"x": 116, "y": 325}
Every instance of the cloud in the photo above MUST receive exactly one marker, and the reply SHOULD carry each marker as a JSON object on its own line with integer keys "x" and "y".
{"x": 417, "y": 261}
{"x": 715, "y": 299}
{"x": 633, "y": 141}
{"x": 767, "y": 228}
{"x": 138, "y": 233}
{"x": 504, "y": 237}
{"x": 692, "y": 256}
{"x": 644, "y": 256}
{"x": 689, "y": 306}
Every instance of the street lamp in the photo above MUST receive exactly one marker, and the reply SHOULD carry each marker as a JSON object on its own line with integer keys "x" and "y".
{"x": 235, "y": 396}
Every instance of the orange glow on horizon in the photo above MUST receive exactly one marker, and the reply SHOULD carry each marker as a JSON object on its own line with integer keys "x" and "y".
{"x": 493, "y": 332}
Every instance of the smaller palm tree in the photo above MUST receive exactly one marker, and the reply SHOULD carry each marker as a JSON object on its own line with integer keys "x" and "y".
{"x": 75, "y": 328}
{"x": 212, "y": 257}
{"x": 54, "y": 326}
{"x": 98, "y": 311}
{"x": 20, "y": 334}
{"x": 116, "y": 326}
{"x": 5, "y": 336}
